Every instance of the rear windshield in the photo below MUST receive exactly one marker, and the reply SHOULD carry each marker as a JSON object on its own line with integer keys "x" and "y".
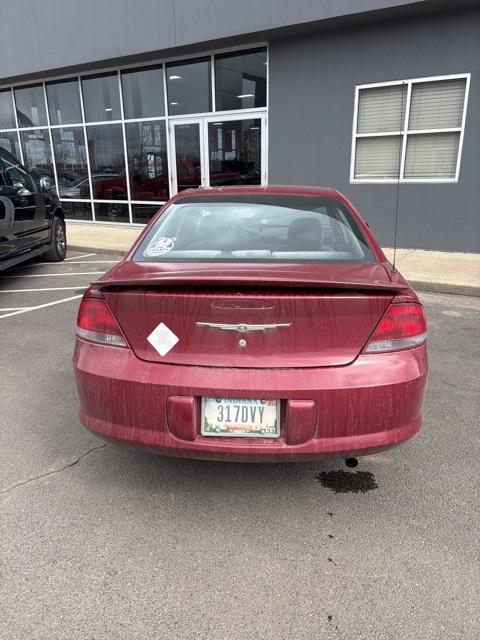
{"x": 255, "y": 228}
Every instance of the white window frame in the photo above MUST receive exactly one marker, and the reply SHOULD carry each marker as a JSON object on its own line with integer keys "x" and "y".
{"x": 203, "y": 118}
{"x": 405, "y": 132}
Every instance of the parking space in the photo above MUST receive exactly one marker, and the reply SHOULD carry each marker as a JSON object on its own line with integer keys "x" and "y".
{"x": 36, "y": 284}
{"x": 104, "y": 542}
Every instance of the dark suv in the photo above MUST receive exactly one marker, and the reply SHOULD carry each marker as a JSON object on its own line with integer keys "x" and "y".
{"x": 32, "y": 222}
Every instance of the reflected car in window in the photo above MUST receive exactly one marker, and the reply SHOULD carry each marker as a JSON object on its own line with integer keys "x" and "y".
{"x": 253, "y": 324}
{"x": 110, "y": 187}
{"x": 80, "y": 188}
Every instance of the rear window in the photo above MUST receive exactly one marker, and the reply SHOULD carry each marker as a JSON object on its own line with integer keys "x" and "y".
{"x": 255, "y": 228}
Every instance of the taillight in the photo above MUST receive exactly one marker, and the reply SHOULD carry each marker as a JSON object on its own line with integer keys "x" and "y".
{"x": 95, "y": 322}
{"x": 402, "y": 327}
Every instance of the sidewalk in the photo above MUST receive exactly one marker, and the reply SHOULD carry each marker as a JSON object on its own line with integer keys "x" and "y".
{"x": 440, "y": 271}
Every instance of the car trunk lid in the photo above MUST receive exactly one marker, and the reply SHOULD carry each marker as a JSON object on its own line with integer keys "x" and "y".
{"x": 249, "y": 317}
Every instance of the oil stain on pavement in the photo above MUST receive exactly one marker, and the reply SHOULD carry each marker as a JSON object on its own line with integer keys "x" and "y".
{"x": 347, "y": 481}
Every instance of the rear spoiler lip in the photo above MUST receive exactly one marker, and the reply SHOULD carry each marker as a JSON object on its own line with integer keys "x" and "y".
{"x": 199, "y": 281}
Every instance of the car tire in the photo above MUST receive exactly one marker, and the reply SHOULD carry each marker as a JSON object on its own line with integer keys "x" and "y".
{"x": 58, "y": 242}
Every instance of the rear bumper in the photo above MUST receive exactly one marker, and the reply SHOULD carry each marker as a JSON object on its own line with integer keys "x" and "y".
{"x": 368, "y": 406}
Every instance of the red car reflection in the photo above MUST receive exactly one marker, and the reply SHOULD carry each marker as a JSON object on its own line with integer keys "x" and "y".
{"x": 253, "y": 324}
{"x": 145, "y": 187}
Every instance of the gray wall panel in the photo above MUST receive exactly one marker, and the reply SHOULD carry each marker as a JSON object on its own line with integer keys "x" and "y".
{"x": 312, "y": 82}
{"x": 225, "y": 18}
{"x": 38, "y": 36}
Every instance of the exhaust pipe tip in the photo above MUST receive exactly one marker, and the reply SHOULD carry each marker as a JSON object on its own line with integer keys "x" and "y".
{"x": 351, "y": 462}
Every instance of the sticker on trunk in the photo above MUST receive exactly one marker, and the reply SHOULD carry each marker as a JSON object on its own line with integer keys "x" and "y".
{"x": 162, "y": 339}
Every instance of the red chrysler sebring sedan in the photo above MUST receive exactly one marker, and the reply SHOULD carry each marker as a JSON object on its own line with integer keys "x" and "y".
{"x": 253, "y": 324}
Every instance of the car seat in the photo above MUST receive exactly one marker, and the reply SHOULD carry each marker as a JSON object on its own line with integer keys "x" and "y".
{"x": 215, "y": 231}
{"x": 305, "y": 234}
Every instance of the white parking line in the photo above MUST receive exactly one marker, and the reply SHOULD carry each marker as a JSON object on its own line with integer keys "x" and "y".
{"x": 85, "y": 255}
{"x": 40, "y": 306}
{"x": 44, "y": 289}
{"x": 59, "y": 264}
{"x": 13, "y": 308}
{"x": 93, "y": 262}
{"x": 48, "y": 275}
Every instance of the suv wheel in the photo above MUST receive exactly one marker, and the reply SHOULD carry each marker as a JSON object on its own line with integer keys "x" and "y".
{"x": 58, "y": 243}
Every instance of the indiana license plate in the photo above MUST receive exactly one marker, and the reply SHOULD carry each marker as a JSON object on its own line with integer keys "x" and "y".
{"x": 240, "y": 418}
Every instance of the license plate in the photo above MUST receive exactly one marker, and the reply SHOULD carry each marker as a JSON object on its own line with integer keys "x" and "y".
{"x": 240, "y": 418}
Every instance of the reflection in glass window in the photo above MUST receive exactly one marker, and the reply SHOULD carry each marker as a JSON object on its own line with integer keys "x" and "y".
{"x": 37, "y": 153}
{"x": 235, "y": 152}
{"x": 101, "y": 98}
{"x": 64, "y": 102}
{"x": 188, "y": 156}
{"x": 18, "y": 177}
{"x": 147, "y": 160}
{"x": 189, "y": 87}
{"x": 107, "y": 162}
{"x": 118, "y": 118}
{"x": 77, "y": 210}
{"x": 142, "y": 214}
{"x": 7, "y": 116}
{"x": 111, "y": 212}
{"x": 9, "y": 141}
{"x": 30, "y": 104}
{"x": 71, "y": 162}
{"x": 142, "y": 91}
{"x": 241, "y": 80}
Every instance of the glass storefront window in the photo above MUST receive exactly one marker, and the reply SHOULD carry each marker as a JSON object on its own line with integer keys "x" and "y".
{"x": 235, "y": 152}
{"x": 30, "y": 103}
{"x": 111, "y": 212}
{"x": 37, "y": 154}
{"x": 105, "y": 138}
{"x": 141, "y": 214}
{"x": 107, "y": 162}
{"x": 101, "y": 97}
{"x": 77, "y": 210}
{"x": 71, "y": 162}
{"x": 189, "y": 87}
{"x": 241, "y": 80}
{"x": 64, "y": 102}
{"x": 7, "y": 115}
{"x": 147, "y": 160}
{"x": 142, "y": 91}
{"x": 9, "y": 141}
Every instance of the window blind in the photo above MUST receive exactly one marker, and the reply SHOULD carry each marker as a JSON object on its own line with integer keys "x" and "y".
{"x": 434, "y": 107}
{"x": 380, "y": 109}
{"x": 378, "y": 157}
{"x": 431, "y": 155}
{"x": 437, "y": 105}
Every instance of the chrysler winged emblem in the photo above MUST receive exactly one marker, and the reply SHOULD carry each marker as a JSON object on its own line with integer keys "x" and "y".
{"x": 242, "y": 328}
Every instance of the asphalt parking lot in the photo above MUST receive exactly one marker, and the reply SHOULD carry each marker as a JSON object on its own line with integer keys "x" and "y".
{"x": 99, "y": 542}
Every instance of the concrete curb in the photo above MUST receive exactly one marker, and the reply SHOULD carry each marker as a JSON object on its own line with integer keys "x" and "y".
{"x": 444, "y": 287}
{"x": 418, "y": 285}
{"x": 110, "y": 252}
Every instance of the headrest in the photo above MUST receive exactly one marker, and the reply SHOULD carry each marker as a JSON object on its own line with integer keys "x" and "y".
{"x": 305, "y": 234}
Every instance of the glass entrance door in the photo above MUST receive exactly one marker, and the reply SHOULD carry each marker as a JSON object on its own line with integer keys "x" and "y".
{"x": 186, "y": 150}
{"x": 217, "y": 152}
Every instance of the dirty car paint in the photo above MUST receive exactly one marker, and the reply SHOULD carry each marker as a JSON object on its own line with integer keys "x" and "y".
{"x": 335, "y": 400}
